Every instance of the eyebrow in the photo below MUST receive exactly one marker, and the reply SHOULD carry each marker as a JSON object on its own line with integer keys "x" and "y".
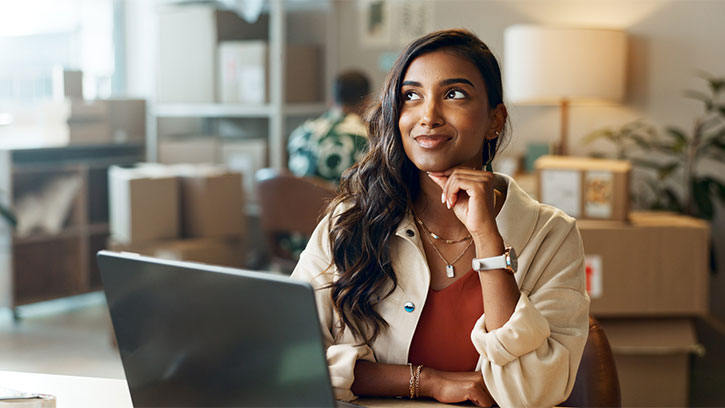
{"x": 449, "y": 81}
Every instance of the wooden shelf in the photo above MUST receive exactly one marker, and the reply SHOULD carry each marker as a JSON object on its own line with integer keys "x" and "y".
{"x": 43, "y": 266}
{"x": 226, "y": 110}
{"x": 212, "y": 110}
{"x": 35, "y": 238}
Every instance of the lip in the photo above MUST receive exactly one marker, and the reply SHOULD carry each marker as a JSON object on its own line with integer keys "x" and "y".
{"x": 431, "y": 141}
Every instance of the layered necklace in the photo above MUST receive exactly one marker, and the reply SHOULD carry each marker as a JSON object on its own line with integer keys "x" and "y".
{"x": 450, "y": 271}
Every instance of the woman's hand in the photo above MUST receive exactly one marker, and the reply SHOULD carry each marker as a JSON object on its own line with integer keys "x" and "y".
{"x": 452, "y": 387}
{"x": 470, "y": 194}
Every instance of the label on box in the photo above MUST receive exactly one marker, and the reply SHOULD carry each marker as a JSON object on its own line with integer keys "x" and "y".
{"x": 251, "y": 84}
{"x": 562, "y": 189}
{"x": 598, "y": 194}
{"x": 594, "y": 275}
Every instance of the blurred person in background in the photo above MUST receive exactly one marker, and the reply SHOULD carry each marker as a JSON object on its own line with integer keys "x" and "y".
{"x": 326, "y": 146}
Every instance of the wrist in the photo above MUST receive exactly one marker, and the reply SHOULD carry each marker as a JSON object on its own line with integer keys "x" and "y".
{"x": 427, "y": 382}
{"x": 488, "y": 245}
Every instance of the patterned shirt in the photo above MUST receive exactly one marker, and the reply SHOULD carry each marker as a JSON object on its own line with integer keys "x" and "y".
{"x": 327, "y": 146}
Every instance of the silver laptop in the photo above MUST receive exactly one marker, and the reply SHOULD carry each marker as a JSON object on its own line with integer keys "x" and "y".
{"x": 196, "y": 335}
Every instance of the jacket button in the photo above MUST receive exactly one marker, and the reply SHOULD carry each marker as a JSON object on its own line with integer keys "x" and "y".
{"x": 410, "y": 233}
{"x": 409, "y": 307}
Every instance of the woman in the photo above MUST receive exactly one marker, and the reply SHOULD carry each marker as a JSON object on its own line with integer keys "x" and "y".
{"x": 401, "y": 307}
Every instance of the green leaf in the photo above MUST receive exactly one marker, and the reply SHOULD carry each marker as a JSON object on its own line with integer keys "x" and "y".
{"x": 701, "y": 194}
{"x": 676, "y": 133}
{"x": 8, "y": 215}
{"x": 655, "y": 165}
{"x": 596, "y": 135}
{"x": 672, "y": 201}
{"x": 719, "y": 189}
{"x": 716, "y": 84}
{"x": 641, "y": 142}
{"x": 706, "y": 99}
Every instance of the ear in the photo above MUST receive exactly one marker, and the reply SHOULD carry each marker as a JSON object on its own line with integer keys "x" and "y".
{"x": 498, "y": 117}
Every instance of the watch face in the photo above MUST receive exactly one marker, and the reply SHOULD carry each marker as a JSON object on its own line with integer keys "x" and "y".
{"x": 511, "y": 260}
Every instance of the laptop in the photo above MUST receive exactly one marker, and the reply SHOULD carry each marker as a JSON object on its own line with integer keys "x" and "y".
{"x": 197, "y": 335}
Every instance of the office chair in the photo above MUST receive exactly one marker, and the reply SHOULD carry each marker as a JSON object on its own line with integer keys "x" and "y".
{"x": 290, "y": 208}
{"x": 597, "y": 384}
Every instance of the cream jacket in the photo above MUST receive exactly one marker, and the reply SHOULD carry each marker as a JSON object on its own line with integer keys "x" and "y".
{"x": 532, "y": 359}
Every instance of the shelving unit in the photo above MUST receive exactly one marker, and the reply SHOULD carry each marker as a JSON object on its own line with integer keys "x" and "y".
{"x": 279, "y": 116}
{"x": 43, "y": 266}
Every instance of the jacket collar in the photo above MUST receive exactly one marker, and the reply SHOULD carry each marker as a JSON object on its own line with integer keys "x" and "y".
{"x": 515, "y": 221}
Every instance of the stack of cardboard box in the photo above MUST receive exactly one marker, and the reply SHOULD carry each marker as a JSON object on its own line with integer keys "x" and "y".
{"x": 647, "y": 275}
{"x": 70, "y": 119}
{"x": 193, "y": 213}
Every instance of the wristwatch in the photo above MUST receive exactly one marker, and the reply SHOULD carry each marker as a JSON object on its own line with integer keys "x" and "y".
{"x": 507, "y": 261}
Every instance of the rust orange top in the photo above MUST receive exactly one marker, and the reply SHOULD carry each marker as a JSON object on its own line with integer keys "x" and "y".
{"x": 442, "y": 339}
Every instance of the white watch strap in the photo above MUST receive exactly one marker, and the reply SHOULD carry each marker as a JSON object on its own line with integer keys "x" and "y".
{"x": 486, "y": 264}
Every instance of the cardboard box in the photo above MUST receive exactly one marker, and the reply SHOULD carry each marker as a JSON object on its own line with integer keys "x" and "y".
{"x": 243, "y": 73}
{"x": 144, "y": 205}
{"x": 74, "y": 110}
{"x": 242, "y": 76}
{"x": 128, "y": 119}
{"x": 246, "y": 156}
{"x": 585, "y": 187}
{"x": 86, "y": 133}
{"x": 212, "y": 201}
{"x": 655, "y": 265}
{"x": 653, "y": 360}
{"x": 203, "y": 149}
{"x": 186, "y": 73}
{"x": 215, "y": 251}
{"x": 67, "y": 83}
{"x": 303, "y": 74}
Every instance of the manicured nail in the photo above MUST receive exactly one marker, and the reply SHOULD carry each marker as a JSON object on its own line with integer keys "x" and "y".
{"x": 448, "y": 204}
{"x": 443, "y": 198}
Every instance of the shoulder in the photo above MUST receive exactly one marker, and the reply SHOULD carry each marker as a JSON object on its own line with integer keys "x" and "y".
{"x": 352, "y": 125}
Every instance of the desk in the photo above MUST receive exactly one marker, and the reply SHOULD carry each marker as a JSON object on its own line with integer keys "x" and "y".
{"x": 91, "y": 392}
{"x": 71, "y": 391}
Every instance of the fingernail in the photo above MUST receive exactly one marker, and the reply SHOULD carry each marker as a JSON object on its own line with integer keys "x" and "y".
{"x": 443, "y": 198}
{"x": 448, "y": 204}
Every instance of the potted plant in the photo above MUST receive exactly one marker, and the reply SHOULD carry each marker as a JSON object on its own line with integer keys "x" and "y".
{"x": 675, "y": 180}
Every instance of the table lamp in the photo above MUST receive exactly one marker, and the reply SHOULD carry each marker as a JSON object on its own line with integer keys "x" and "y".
{"x": 558, "y": 66}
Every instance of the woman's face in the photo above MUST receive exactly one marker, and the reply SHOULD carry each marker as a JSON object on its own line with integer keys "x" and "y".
{"x": 445, "y": 115}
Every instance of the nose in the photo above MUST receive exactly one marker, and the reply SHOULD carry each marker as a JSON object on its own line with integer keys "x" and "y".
{"x": 430, "y": 116}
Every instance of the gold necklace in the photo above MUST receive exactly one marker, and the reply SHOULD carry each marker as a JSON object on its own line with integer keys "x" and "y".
{"x": 438, "y": 237}
{"x": 450, "y": 272}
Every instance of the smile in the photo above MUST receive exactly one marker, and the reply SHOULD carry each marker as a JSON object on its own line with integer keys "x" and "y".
{"x": 431, "y": 141}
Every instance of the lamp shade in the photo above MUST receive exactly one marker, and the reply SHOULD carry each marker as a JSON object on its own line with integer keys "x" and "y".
{"x": 547, "y": 65}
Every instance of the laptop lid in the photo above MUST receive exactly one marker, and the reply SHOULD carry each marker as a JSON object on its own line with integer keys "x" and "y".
{"x": 194, "y": 335}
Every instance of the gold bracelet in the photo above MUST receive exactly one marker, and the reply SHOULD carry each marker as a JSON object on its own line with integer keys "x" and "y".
{"x": 411, "y": 386}
{"x": 417, "y": 380}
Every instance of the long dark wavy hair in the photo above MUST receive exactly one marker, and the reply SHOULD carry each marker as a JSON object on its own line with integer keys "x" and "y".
{"x": 381, "y": 187}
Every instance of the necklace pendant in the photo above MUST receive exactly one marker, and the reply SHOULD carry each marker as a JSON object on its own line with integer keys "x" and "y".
{"x": 449, "y": 271}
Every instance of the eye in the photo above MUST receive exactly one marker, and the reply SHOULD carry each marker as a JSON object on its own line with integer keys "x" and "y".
{"x": 411, "y": 96}
{"x": 455, "y": 94}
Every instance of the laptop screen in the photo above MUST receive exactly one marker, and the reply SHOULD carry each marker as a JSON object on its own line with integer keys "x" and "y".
{"x": 198, "y": 335}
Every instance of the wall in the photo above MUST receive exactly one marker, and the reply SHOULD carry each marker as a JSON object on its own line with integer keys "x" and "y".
{"x": 670, "y": 41}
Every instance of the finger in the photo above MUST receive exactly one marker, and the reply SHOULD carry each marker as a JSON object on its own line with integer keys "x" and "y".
{"x": 473, "y": 186}
{"x": 438, "y": 179}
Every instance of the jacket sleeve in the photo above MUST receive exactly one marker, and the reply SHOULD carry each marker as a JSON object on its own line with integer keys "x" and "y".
{"x": 315, "y": 266}
{"x": 532, "y": 360}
